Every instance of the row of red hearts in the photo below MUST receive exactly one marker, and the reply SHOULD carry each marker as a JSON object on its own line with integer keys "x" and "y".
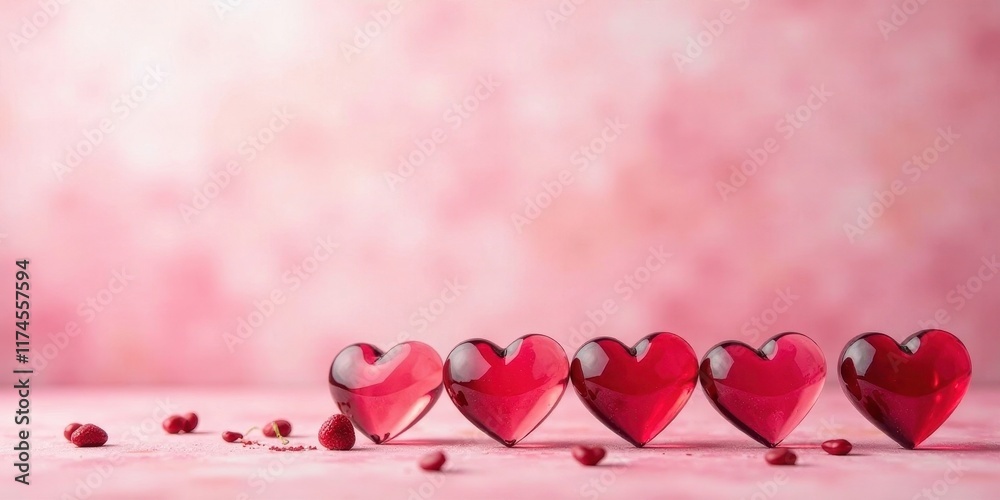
{"x": 906, "y": 390}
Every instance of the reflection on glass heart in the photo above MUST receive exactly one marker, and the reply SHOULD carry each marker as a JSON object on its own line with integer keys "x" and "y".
{"x": 635, "y": 391}
{"x": 506, "y": 393}
{"x": 907, "y": 390}
{"x": 764, "y": 392}
{"x": 385, "y": 394}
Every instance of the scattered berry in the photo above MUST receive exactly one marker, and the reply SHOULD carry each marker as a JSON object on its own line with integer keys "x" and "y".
{"x": 89, "y": 435}
{"x": 68, "y": 431}
{"x": 277, "y": 428}
{"x": 291, "y": 448}
{"x": 432, "y": 461}
{"x": 173, "y": 424}
{"x": 190, "y": 422}
{"x": 231, "y": 437}
{"x": 588, "y": 455}
{"x": 837, "y": 446}
{"x": 337, "y": 433}
{"x": 780, "y": 456}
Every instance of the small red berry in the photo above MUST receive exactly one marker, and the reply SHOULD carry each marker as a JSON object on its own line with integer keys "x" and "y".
{"x": 432, "y": 461}
{"x": 837, "y": 446}
{"x": 190, "y": 422}
{"x": 89, "y": 435}
{"x": 780, "y": 456}
{"x": 588, "y": 455}
{"x": 173, "y": 424}
{"x": 284, "y": 428}
{"x": 337, "y": 433}
{"x": 68, "y": 431}
{"x": 231, "y": 437}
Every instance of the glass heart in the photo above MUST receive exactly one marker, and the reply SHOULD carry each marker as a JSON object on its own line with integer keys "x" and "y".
{"x": 385, "y": 393}
{"x": 907, "y": 390}
{"x": 635, "y": 391}
{"x": 506, "y": 393}
{"x": 764, "y": 392}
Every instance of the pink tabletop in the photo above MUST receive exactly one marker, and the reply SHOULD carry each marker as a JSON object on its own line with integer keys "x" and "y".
{"x": 698, "y": 455}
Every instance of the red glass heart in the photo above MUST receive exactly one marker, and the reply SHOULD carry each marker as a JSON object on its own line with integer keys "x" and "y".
{"x": 907, "y": 390}
{"x": 635, "y": 391}
{"x": 764, "y": 392}
{"x": 385, "y": 393}
{"x": 506, "y": 393}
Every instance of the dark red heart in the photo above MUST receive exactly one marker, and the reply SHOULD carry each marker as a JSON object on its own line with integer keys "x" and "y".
{"x": 506, "y": 393}
{"x": 764, "y": 392}
{"x": 385, "y": 393}
{"x": 635, "y": 391}
{"x": 907, "y": 390}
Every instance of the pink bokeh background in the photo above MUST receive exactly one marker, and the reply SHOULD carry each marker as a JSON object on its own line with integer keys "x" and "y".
{"x": 617, "y": 121}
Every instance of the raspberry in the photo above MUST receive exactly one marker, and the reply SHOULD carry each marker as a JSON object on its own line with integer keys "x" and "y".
{"x": 780, "y": 456}
{"x": 89, "y": 435}
{"x": 68, "y": 431}
{"x": 432, "y": 461}
{"x": 173, "y": 424}
{"x": 231, "y": 437}
{"x": 284, "y": 428}
{"x": 337, "y": 433}
{"x": 837, "y": 446}
{"x": 589, "y": 455}
{"x": 190, "y": 422}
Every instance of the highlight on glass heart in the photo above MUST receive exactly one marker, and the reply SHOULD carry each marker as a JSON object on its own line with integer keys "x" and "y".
{"x": 907, "y": 390}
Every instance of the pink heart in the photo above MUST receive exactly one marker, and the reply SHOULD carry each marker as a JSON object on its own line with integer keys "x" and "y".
{"x": 506, "y": 393}
{"x": 385, "y": 393}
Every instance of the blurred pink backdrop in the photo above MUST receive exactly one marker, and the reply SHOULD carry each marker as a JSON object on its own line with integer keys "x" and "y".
{"x": 230, "y": 192}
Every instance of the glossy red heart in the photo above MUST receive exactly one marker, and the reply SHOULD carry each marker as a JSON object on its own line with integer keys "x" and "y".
{"x": 907, "y": 390}
{"x": 385, "y": 393}
{"x": 635, "y": 391}
{"x": 764, "y": 392}
{"x": 506, "y": 393}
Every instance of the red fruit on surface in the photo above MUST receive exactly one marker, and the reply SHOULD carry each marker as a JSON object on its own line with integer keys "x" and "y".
{"x": 89, "y": 435}
{"x": 764, "y": 392}
{"x": 588, "y": 455}
{"x": 385, "y": 393}
{"x": 837, "y": 446}
{"x": 432, "y": 461}
{"x": 337, "y": 433}
{"x": 507, "y": 392}
{"x": 284, "y": 428}
{"x": 780, "y": 456}
{"x": 68, "y": 431}
{"x": 190, "y": 422}
{"x": 231, "y": 437}
{"x": 173, "y": 424}
{"x": 653, "y": 380}
{"x": 907, "y": 390}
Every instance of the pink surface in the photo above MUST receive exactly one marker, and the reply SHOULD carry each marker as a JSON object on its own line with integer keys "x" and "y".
{"x": 245, "y": 166}
{"x": 698, "y": 455}
{"x": 225, "y": 194}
